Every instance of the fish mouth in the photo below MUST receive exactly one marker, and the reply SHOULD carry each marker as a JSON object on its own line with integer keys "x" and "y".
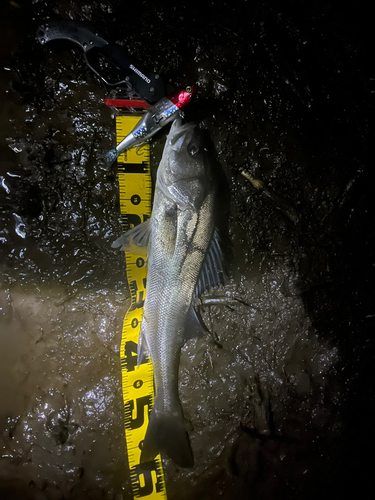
{"x": 178, "y": 132}
{"x": 177, "y": 123}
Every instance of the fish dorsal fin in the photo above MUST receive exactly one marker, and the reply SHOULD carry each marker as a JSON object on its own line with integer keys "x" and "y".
{"x": 212, "y": 270}
{"x": 139, "y": 235}
{"x": 193, "y": 327}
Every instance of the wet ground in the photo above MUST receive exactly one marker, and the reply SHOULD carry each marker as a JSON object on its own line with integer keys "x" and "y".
{"x": 278, "y": 400}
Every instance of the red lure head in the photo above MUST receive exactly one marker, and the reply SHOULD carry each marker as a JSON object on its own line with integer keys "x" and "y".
{"x": 182, "y": 97}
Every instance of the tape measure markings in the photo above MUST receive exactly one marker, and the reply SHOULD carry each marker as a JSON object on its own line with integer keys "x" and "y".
{"x": 135, "y": 190}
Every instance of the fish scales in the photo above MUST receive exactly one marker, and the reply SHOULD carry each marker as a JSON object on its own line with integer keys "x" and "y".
{"x": 180, "y": 235}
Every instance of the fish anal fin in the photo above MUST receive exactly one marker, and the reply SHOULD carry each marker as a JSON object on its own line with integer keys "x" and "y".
{"x": 142, "y": 351}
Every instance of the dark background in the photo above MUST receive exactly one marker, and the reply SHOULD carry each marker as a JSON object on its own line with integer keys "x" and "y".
{"x": 286, "y": 91}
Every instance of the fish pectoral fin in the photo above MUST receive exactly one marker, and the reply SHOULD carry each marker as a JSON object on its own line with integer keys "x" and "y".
{"x": 139, "y": 235}
{"x": 194, "y": 327}
{"x": 211, "y": 273}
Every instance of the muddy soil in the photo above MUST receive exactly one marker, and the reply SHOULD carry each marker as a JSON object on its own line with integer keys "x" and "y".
{"x": 278, "y": 399}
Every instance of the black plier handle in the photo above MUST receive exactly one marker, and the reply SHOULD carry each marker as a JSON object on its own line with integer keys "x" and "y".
{"x": 114, "y": 66}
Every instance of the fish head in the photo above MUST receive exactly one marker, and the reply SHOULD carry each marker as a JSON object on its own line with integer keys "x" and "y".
{"x": 184, "y": 173}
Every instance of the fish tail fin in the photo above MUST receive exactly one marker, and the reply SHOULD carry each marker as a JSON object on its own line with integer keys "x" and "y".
{"x": 166, "y": 432}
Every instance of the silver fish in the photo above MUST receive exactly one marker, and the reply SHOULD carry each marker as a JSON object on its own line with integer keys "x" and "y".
{"x": 184, "y": 259}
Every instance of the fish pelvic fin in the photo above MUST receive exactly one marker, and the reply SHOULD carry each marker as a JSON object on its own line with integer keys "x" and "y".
{"x": 166, "y": 432}
{"x": 139, "y": 235}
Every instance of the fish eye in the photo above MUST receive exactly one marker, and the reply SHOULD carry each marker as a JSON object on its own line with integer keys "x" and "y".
{"x": 193, "y": 149}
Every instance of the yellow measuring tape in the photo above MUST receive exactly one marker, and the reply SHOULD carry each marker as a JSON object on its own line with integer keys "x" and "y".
{"x": 134, "y": 178}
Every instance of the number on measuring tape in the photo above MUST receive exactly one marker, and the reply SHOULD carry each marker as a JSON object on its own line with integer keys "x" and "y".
{"x": 131, "y": 355}
{"x": 135, "y": 419}
{"x": 137, "y": 379}
{"x": 147, "y": 478}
